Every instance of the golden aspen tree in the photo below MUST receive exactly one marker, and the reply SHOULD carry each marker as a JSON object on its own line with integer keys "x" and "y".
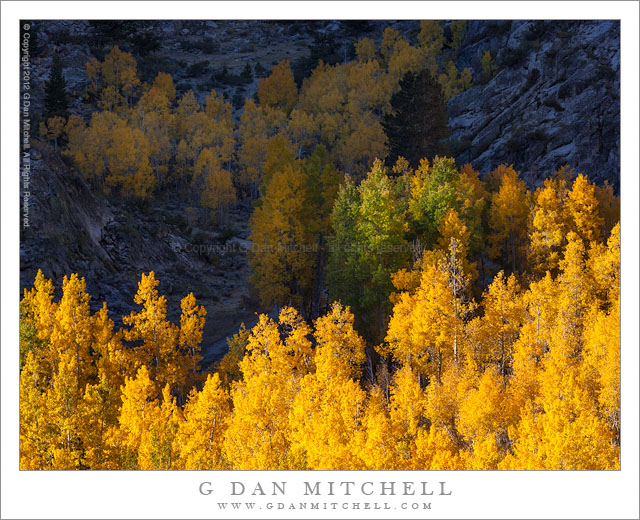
{"x": 156, "y": 450}
{"x": 278, "y": 90}
{"x": 548, "y": 228}
{"x": 425, "y": 331}
{"x": 503, "y": 317}
{"x": 508, "y": 218}
{"x": 374, "y": 441}
{"x": 488, "y": 65}
{"x": 192, "y": 322}
{"x": 602, "y": 357}
{"x": 155, "y": 120}
{"x": 407, "y": 415}
{"x": 482, "y": 421}
{"x": 444, "y": 399}
{"x": 582, "y": 210}
{"x": 61, "y": 403}
{"x": 436, "y": 451}
{"x": 40, "y": 310}
{"x": 73, "y": 327}
{"x": 164, "y": 83}
{"x": 158, "y": 351}
{"x": 139, "y": 410}
{"x": 365, "y": 49}
{"x": 113, "y": 361}
{"x": 541, "y": 308}
{"x": 281, "y": 262}
{"x": 218, "y": 193}
{"x": 452, "y": 229}
{"x": 253, "y": 143}
{"x": 36, "y": 432}
{"x": 93, "y": 69}
{"x": 98, "y": 425}
{"x": 199, "y": 440}
{"x": 258, "y": 433}
{"x": 604, "y": 264}
{"x": 119, "y": 70}
{"x": 278, "y": 157}
{"x": 327, "y": 412}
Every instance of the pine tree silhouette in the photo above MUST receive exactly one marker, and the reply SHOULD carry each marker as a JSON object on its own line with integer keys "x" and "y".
{"x": 55, "y": 98}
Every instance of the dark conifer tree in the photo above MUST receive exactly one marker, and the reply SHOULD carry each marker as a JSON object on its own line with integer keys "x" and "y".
{"x": 418, "y": 125}
{"x": 55, "y": 94}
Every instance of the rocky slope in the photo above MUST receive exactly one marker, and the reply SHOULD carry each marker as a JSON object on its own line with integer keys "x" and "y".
{"x": 554, "y": 100}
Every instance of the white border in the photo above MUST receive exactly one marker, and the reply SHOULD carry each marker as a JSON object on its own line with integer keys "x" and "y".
{"x": 175, "y": 495}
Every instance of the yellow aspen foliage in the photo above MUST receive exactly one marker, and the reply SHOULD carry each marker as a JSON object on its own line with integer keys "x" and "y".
{"x": 199, "y": 440}
{"x": 374, "y": 441}
{"x": 119, "y": 70}
{"x": 582, "y": 210}
{"x": 363, "y": 142}
{"x": 218, "y": 193}
{"x": 190, "y": 337}
{"x": 228, "y": 367}
{"x": 302, "y": 129}
{"x": 73, "y": 327}
{"x": 548, "y": 228}
{"x": 158, "y": 351}
{"x": 156, "y": 450}
{"x": 567, "y": 433}
{"x": 164, "y": 83}
{"x": 282, "y": 267}
{"x": 328, "y": 410}
{"x": 508, "y": 217}
{"x": 407, "y": 415}
{"x": 279, "y": 156}
{"x": 253, "y": 143}
{"x": 424, "y": 327}
{"x": 389, "y": 39}
{"x": 431, "y": 34}
{"x": 503, "y": 317}
{"x": 335, "y": 332}
{"x": 113, "y": 361}
{"x": 93, "y": 69}
{"x": 140, "y": 409}
{"x": 604, "y": 264}
{"x": 278, "y": 90}
{"x": 452, "y": 228}
{"x": 541, "y": 309}
{"x": 61, "y": 404}
{"x": 436, "y": 451}
{"x": 488, "y": 65}
{"x": 444, "y": 400}
{"x": 365, "y": 49}
{"x": 482, "y": 413}
{"x": 258, "y": 433}
{"x": 40, "y": 312}
{"x": 602, "y": 357}
{"x": 36, "y": 432}
{"x": 98, "y": 425}
{"x": 187, "y": 107}
{"x": 404, "y": 58}
{"x": 575, "y": 283}
{"x": 112, "y": 101}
